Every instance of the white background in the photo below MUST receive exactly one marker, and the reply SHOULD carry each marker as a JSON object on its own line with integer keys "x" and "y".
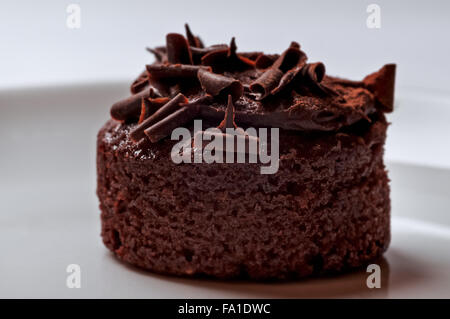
{"x": 36, "y": 47}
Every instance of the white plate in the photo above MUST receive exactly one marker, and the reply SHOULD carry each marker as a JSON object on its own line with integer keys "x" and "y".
{"x": 49, "y": 216}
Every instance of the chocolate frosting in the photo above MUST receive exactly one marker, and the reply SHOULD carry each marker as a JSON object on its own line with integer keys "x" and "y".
{"x": 188, "y": 80}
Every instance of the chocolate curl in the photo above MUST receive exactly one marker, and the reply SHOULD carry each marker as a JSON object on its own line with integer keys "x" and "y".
{"x": 314, "y": 71}
{"x": 164, "y": 111}
{"x": 164, "y": 127}
{"x": 201, "y": 45}
{"x": 129, "y": 108}
{"x": 286, "y": 79}
{"x": 270, "y": 79}
{"x": 192, "y": 40}
{"x": 266, "y": 83}
{"x": 244, "y": 62}
{"x": 264, "y": 61}
{"x": 233, "y": 48}
{"x": 160, "y": 53}
{"x": 221, "y": 56}
{"x": 160, "y": 86}
{"x": 140, "y": 83}
{"x": 216, "y": 84}
{"x": 227, "y": 58}
{"x": 202, "y": 51}
{"x": 216, "y": 58}
{"x": 290, "y": 58}
{"x": 313, "y": 74}
{"x": 251, "y": 55}
{"x": 382, "y": 85}
{"x": 295, "y": 45}
{"x": 145, "y": 110}
{"x": 178, "y": 50}
{"x": 290, "y": 75}
{"x": 174, "y": 90}
{"x": 201, "y": 101}
{"x": 150, "y": 106}
{"x": 163, "y": 71}
{"x": 228, "y": 120}
{"x": 199, "y": 53}
{"x": 236, "y": 59}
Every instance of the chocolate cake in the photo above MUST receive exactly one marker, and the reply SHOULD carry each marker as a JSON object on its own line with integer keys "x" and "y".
{"x": 325, "y": 208}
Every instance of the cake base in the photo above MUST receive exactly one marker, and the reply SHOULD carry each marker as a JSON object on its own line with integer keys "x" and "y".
{"x": 327, "y": 209}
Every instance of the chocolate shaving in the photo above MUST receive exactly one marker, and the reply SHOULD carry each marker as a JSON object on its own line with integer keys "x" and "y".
{"x": 140, "y": 83}
{"x": 200, "y": 42}
{"x": 295, "y": 45}
{"x": 174, "y": 90}
{"x": 287, "y": 78}
{"x": 227, "y": 58}
{"x": 161, "y": 86}
{"x": 266, "y": 83}
{"x": 198, "y": 53}
{"x": 145, "y": 110}
{"x": 311, "y": 76}
{"x": 382, "y": 85}
{"x": 228, "y": 120}
{"x": 192, "y": 40}
{"x": 178, "y": 50}
{"x": 202, "y": 51}
{"x": 130, "y": 108}
{"x": 217, "y": 59}
{"x": 138, "y": 86}
{"x": 150, "y": 106}
{"x": 164, "y": 127}
{"x": 233, "y": 48}
{"x": 216, "y": 84}
{"x": 201, "y": 101}
{"x": 314, "y": 71}
{"x": 236, "y": 60}
{"x": 290, "y": 58}
{"x": 291, "y": 74}
{"x": 162, "y": 71}
{"x": 283, "y": 70}
{"x": 174, "y": 104}
{"x": 251, "y": 55}
{"x": 243, "y": 62}
{"x": 264, "y": 61}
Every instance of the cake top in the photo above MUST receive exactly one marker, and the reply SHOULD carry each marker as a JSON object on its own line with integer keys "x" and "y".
{"x": 189, "y": 80}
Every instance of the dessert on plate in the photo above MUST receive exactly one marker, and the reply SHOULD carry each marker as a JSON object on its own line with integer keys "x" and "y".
{"x": 324, "y": 208}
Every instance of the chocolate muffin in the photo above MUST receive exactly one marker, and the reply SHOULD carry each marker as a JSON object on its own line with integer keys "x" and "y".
{"x": 324, "y": 207}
